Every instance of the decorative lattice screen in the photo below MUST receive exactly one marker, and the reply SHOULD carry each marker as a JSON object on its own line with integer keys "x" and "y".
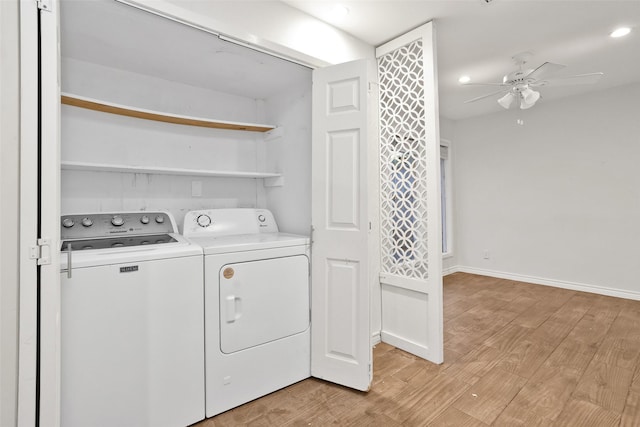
{"x": 403, "y": 162}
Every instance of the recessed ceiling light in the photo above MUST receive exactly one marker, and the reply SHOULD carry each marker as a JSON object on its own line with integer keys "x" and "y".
{"x": 340, "y": 11}
{"x": 621, "y": 32}
{"x": 464, "y": 79}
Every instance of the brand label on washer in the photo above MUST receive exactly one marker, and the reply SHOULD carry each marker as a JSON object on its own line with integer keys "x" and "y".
{"x": 228, "y": 273}
{"x": 129, "y": 269}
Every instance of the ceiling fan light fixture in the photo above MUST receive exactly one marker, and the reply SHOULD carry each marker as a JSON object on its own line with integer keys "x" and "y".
{"x": 506, "y": 101}
{"x": 529, "y": 98}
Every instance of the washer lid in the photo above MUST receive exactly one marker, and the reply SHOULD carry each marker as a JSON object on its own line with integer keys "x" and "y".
{"x": 180, "y": 247}
{"x": 249, "y": 242}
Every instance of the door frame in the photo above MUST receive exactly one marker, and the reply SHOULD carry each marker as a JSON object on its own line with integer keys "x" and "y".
{"x": 43, "y": 400}
{"x": 28, "y": 331}
{"x": 39, "y": 341}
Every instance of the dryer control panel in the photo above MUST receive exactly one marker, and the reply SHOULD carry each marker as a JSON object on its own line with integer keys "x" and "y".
{"x": 229, "y": 222}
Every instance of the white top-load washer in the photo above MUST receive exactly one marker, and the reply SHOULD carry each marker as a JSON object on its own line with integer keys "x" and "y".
{"x": 257, "y": 336}
{"x": 132, "y": 322}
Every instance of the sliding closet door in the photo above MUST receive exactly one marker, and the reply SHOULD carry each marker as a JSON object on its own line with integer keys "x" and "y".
{"x": 411, "y": 269}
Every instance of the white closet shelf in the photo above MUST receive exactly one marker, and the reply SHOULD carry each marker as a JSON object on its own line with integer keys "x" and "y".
{"x": 107, "y": 107}
{"x": 102, "y": 167}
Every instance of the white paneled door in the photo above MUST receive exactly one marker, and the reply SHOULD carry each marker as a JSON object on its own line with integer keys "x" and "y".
{"x": 344, "y": 145}
{"x": 410, "y": 223}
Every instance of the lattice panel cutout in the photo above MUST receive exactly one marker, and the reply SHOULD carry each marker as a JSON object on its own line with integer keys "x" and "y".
{"x": 403, "y": 163}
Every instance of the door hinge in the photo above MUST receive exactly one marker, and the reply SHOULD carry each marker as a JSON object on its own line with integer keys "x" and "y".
{"x": 41, "y": 252}
{"x": 44, "y": 5}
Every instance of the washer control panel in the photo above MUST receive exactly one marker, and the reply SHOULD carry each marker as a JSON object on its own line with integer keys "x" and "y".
{"x": 105, "y": 224}
{"x": 228, "y": 222}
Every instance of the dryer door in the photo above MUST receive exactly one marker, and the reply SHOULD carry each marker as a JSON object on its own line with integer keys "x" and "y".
{"x": 262, "y": 301}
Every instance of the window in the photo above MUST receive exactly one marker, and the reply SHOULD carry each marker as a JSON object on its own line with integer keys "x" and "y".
{"x": 446, "y": 197}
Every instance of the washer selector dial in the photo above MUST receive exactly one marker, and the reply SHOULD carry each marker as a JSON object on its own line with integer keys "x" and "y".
{"x": 87, "y": 222}
{"x": 203, "y": 220}
{"x": 159, "y": 219}
{"x": 144, "y": 219}
{"x": 117, "y": 220}
{"x": 67, "y": 223}
{"x": 261, "y": 218}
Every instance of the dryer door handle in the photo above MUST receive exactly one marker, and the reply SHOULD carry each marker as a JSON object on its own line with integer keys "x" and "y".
{"x": 233, "y": 308}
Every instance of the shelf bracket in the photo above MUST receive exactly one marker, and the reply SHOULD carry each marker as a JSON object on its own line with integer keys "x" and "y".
{"x": 276, "y": 181}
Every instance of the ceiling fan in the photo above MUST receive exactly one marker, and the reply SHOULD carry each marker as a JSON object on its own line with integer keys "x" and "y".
{"x": 519, "y": 85}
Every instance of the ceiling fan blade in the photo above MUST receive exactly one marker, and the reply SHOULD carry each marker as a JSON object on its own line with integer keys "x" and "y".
{"x": 484, "y": 84}
{"x": 485, "y": 96}
{"x": 580, "y": 79}
{"x": 545, "y": 69}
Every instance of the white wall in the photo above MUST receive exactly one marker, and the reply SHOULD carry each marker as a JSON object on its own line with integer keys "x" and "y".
{"x": 289, "y": 152}
{"x": 9, "y": 210}
{"x": 89, "y": 136}
{"x": 556, "y": 200}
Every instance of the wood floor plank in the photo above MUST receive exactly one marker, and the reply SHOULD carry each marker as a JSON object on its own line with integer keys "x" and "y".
{"x": 551, "y": 332}
{"x": 431, "y": 399}
{"x": 571, "y": 355}
{"x": 593, "y": 326}
{"x": 542, "y": 399}
{"x": 417, "y": 368}
{"x": 475, "y": 364}
{"x": 391, "y": 362}
{"x": 535, "y": 316}
{"x": 573, "y": 310}
{"x": 508, "y": 337}
{"x": 620, "y": 352}
{"x": 635, "y": 382}
{"x": 455, "y": 418}
{"x": 457, "y": 308}
{"x": 525, "y": 358}
{"x": 604, "y": 385}
{"x": 488, "y": 397}
{"x": 579, "y": 413}
{"x": 631, "y": 413}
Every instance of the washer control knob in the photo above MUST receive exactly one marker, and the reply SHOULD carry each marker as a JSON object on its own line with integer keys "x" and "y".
{"x": 159, "y": 219}
{"x": 67, "y": 223}
{"x": 203, "y": 220}
{"x": 261, "y": 218}
{"x": 87, "y": 222}
{"x": 144, "y": 219}
{"x": 117, "y": 220}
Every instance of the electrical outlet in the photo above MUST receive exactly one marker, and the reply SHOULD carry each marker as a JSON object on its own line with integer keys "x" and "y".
{"x": 486, "y": 254}
{"x": 196, "y": 188}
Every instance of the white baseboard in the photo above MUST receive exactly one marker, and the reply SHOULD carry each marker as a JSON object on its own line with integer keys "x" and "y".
{"x": 612, "y": 292}
{"x": 406, "y": 345}
{"x": 450, "y": 270}
{"x": 375, "y": 338}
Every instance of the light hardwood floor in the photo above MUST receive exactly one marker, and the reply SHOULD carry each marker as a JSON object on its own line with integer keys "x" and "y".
{"x": 516, "y": 354}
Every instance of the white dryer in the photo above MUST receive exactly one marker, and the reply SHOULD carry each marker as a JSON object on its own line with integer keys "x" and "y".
{"x": 257, "y": 336}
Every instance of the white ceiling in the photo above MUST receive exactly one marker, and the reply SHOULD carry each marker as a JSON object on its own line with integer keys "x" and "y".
{"x": 473, "y": 38}
{"x": 478, "y": 39}
{"x": 115, "y": 35}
